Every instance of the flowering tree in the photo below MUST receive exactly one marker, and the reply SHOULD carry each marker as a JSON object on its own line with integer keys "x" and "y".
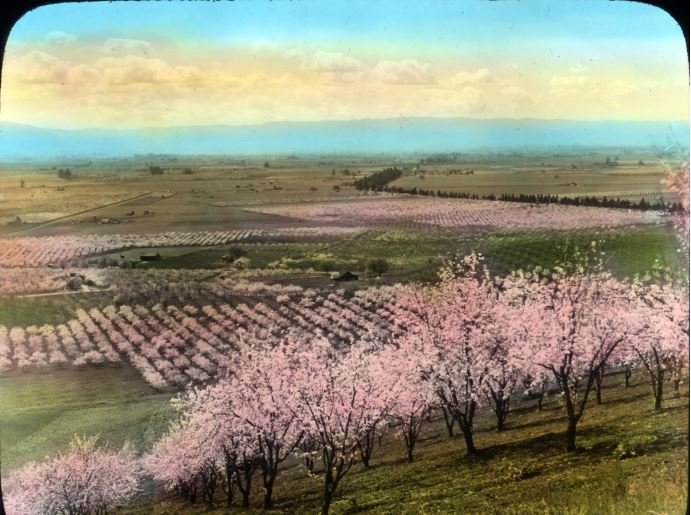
{"x": 449, "y": 323}
{"x": 678, "y": 183}
{"x": 206, "y": 444}
{"x": 340, "y": 402}
{"x": 577, "y": 323}
{"x": 403, "y": 373}
{"x": 664, "y": 342}
{"x": 87, "y": 479}
{"x": 506, "y": 368}
{"x": 259, "y": 393}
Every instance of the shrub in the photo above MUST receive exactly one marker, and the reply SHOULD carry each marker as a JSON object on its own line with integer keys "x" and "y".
{"x": 377, "y": 266}
{"x": 634, "y": 446}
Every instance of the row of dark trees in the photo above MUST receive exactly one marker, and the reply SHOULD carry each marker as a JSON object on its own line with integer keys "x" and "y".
{"x": 593, "y": 201}
{"x": 378, "y": 181}
{"x": 65, "y": 173}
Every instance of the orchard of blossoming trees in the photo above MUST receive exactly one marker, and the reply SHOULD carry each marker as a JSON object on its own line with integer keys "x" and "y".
{"x": 171, "y": 346}
{"x": 321, "y": 377}
{"x": 454, "y": 214}
{"x": 54, "y": 250}
{"x": 467, "y": 343}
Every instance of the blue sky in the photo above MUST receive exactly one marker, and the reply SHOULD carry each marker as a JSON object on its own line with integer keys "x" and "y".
{"x": 130, "y": 64}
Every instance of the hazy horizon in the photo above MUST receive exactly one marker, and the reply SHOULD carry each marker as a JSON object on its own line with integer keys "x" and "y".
{"x": 372, "y": 136}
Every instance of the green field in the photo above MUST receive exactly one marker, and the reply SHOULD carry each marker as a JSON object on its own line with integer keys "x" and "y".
{"x": 49, "y": 309}
{"x": 628, "y": 181}
{"x": 520, "y": 470}
{"x": 41, "y": 412}
{"x": 418, "y": 255}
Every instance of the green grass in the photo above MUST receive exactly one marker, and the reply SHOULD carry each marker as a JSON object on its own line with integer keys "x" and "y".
{"x": 626, "y": 252}
{"x": 50, "y": 309}
{"x": 522, "y": 470}
{"x": 416, "y": 255}
{"x": 42, "y": 411}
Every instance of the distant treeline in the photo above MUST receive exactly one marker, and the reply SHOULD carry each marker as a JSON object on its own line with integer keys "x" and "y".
{"x": 378, "y": 180}
{"x": 592, "y": 201}
{"x": 65, "y": 173}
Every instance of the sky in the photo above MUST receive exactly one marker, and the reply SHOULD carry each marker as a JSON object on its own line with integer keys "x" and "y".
{"x": 156, "y": 64}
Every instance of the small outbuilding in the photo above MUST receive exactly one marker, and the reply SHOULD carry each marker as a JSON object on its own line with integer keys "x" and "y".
{"x": 344, "y": 277}
{"x": 150, "y": 257}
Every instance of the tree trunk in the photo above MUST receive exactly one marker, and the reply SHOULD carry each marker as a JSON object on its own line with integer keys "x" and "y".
{"x": 658, "y": 389}
{"x": 571, "y": 435}
{"x": 246, "y": 488}
{"x": 269, "y": 488}
{"x": 269, "y": 473}
{"x": 246, "y": 497}
{"x": 627, "y": 376}
{"x": 501, "y": 410}
{"x": 366, "y": 446}
{"x": 230, "y": 492}
{"x": 329, "y": 486}
{"x": 676, "y": 378}
{"x": 309, "y": 464}
{"x": 599, "y": 374}
{"x": 469, "y": 444}
{"x": 465, "y": 421}
{"x": 327, "y": 501}
{"x": 448, "y": 421}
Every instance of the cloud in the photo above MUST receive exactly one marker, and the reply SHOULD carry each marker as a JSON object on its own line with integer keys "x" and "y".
{"x": 569, "y": 81}
{"x": 462, "y": 102}
{"x": 462, "y": 78}
{"x": 133, "y": 70}
{"x": 402, "y": 72}
{"x": 332, "y": 62}
{"x": 518, "y": 96}
{"x": 37, "y": 67}
{"x": 117, "y": 45}
{"x": 59, "y": 37}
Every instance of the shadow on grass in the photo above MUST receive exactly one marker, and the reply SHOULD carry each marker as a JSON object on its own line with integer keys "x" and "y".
{"x": 625, "y": 400}
{"x": 561, "y": 419}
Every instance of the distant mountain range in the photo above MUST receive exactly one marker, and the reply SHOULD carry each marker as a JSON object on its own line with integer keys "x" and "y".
{"x": 402, "y": 135}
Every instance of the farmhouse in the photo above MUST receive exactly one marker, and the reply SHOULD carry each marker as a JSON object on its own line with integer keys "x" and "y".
{"x": 345, "y": 276}
{"x": 150, "y": 257}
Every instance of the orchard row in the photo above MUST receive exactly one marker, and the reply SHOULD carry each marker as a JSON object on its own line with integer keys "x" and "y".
{"x": 469, "y": 342}
{"x": 54, "y": 250}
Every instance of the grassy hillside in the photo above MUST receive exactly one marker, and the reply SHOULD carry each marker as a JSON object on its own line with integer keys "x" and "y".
{"x": 523, "y": 469}
{"x": 41, "y": 412}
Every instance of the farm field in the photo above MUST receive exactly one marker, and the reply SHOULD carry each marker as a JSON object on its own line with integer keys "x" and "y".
{"x": 216, "y": 194}
{"x": 249, "y": 253}
{"x": 631, "y": 183}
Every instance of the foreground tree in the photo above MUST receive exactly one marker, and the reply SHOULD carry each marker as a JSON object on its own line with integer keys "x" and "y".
{"x": 87, "y": 479}
{"x": 184, "y": 461}
{"x": 664, "y": 343}
{"x": 448, "y": 324}
{"x": 577, "y": 322}
{"x": 259, "y": 393}
{"x": 403, "y": 372}
{"x": 340, "y": 401}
